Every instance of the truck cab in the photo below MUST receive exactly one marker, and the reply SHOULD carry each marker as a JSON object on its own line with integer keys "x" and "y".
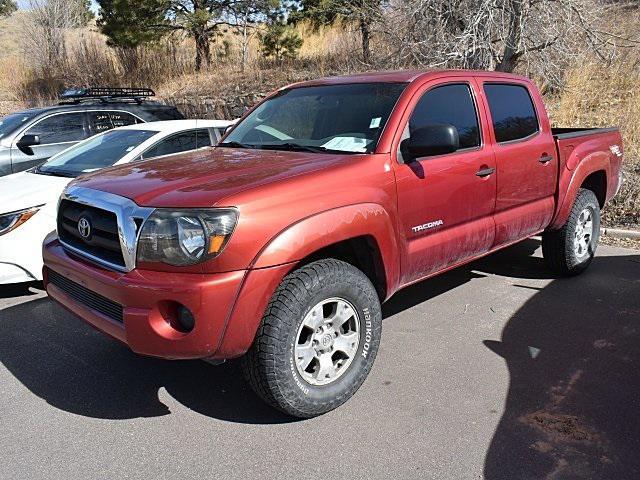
{"x": 280, "y": 244}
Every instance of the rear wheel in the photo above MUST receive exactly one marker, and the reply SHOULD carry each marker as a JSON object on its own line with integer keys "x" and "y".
{"x": 317, "y": 341}
{"x": 570, "y": 250}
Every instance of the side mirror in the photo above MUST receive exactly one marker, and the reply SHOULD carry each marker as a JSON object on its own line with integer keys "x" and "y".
{"x": 28, "y": 141}
{"x": 434, "y": 139}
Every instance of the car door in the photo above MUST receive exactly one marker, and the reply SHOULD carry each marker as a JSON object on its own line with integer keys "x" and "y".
{"x": 446, "y": 202}
{"x": 57, "y": 132}
{"x": 526, "y": 161}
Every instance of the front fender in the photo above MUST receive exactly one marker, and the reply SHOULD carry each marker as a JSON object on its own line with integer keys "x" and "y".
{"x": 321, "y": 230}
{"x": 291, "y": 245}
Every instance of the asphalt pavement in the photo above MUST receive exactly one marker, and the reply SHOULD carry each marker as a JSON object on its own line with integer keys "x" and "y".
{"x": 495, "y": 370}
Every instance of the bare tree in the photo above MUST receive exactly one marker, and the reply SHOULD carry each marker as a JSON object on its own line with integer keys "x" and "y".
{"x": 46, "y": 29}
{"x": 497, "y": 34}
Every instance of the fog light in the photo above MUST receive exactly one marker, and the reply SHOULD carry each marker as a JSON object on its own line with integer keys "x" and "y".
{"x": 186, "y": 320}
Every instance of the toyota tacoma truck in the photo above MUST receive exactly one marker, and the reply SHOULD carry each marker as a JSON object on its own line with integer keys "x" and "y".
{"x": 280, "y": 244}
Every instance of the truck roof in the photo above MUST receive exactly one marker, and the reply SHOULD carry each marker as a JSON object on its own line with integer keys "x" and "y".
{"x": 403, "y": 76}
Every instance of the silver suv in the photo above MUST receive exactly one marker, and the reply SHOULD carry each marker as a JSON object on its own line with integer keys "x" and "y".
{"x": 30, "y": 137}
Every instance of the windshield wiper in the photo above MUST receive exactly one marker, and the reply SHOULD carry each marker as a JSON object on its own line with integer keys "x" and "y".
{"x": 53, "y": 173}
{"x": 296, "y": 147}
{"x": 235, "y": 145}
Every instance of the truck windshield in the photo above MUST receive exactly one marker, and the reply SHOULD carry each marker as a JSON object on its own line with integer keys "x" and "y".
{"x": 347, "y": 118}
{"x": 95, "y": 153}
{"x": 12, "y": 122}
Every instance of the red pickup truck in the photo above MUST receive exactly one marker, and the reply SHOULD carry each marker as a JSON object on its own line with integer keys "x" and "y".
{"x": 280, "y": 244}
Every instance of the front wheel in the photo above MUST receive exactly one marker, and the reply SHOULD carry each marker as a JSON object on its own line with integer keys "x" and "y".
{"x": 570, "y": 250}
{"x": 317, "y": 341}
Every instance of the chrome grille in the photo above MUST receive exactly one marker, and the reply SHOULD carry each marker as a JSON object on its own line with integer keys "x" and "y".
{"x": 102, "y": 241}
{"x": 100, "y": 226}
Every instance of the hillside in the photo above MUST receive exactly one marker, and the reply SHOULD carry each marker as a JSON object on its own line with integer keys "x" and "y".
{"x": 10, "y": 35}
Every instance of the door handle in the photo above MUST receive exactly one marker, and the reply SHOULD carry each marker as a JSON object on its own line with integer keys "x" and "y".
{"x": 545, "y": 158}
{"x": 485, "y": 172}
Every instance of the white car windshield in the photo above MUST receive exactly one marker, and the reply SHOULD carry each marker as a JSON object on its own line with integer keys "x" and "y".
{"x": 346, "y": 118}
{"x": 95, "y": 153}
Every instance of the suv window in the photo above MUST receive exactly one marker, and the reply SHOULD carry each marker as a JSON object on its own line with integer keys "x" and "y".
{"x": 164, "y": 113}
{"x": 61, "y": 128}
{"x": 452, "y": 104}
{"x": 106, "y": 120}
{"x": 180, "y": 142}
{"x": 512, "y": 111}
{"x": 122, "y": 119}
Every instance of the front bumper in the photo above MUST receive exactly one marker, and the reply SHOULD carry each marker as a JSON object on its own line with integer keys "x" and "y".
{"x": 142, "y": 294}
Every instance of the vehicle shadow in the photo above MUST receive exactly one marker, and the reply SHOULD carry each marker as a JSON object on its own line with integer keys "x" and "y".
{"x": 20, "y": 289}
{"x": 76, "y": 369}
{"x": 573, "y": 355}
{"x": 516, "y": 261}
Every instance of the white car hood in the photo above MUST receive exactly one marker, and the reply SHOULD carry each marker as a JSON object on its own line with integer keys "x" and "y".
{"x": 25, "y": 190}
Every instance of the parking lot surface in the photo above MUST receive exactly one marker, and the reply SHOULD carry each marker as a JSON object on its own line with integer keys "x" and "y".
{"x": 491, "y": 371}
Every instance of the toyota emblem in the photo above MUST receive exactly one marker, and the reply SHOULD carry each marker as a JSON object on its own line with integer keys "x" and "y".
{"x": 84, "y": 228}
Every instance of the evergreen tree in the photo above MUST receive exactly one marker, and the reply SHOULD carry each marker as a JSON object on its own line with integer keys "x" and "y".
{"x": 129, "y": 23}
{"x": 280, "y": 41}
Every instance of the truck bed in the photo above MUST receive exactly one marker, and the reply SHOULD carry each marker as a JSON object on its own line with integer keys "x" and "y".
{"x": 565, "y": 133}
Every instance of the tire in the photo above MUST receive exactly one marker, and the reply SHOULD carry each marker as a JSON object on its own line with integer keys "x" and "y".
{"x": 275, "y": 364}
{"x": 560, "y": 248}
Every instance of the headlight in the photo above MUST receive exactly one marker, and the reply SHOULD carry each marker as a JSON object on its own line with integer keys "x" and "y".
{"x": 185, "y": 237}
{"x": 11, "y": 221}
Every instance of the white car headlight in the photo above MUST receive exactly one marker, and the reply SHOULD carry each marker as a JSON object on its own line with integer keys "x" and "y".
{"x": 185, "y": 237}
{"x": 11, "y": 221}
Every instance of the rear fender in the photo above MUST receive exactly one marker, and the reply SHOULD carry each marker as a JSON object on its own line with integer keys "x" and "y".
{"x": 572, "y": 180}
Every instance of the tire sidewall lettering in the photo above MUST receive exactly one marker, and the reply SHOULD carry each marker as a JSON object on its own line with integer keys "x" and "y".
{"x": 367, "y": 330}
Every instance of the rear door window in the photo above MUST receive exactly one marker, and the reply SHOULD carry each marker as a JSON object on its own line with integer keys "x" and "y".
{"x": 203, "y": 138}
{"x": 180, "y": 142}
{"x": 512, "y": 111}
{"x": 61, "y": 128}
{"x": 100, "y": 122}
{"x": 451, "y": 104}
{"x": 106, "y": 120}
{"x": 122, "y": 119}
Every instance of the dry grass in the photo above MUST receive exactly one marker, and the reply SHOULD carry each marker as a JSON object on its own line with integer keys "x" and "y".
{"x": 596, "y": 95}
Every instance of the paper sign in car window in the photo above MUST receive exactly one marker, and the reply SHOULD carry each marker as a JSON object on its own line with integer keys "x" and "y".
{"x": 347, "y": 144}
{"x": 375, "y": 122}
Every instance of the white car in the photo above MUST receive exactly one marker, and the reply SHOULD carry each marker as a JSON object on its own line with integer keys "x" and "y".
{"x": 28, "y": 200}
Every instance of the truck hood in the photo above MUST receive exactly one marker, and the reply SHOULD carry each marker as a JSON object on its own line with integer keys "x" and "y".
{"x": 203, "y": 178}
{"x": 25, "y": 190}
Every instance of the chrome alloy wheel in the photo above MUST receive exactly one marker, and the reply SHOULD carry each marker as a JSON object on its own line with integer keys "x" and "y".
{"x": 327, "y": 341}
{"x": 584, "y": 233}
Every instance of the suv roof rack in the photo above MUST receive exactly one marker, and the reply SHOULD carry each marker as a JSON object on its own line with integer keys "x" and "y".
{"x": 105, "y": 94}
